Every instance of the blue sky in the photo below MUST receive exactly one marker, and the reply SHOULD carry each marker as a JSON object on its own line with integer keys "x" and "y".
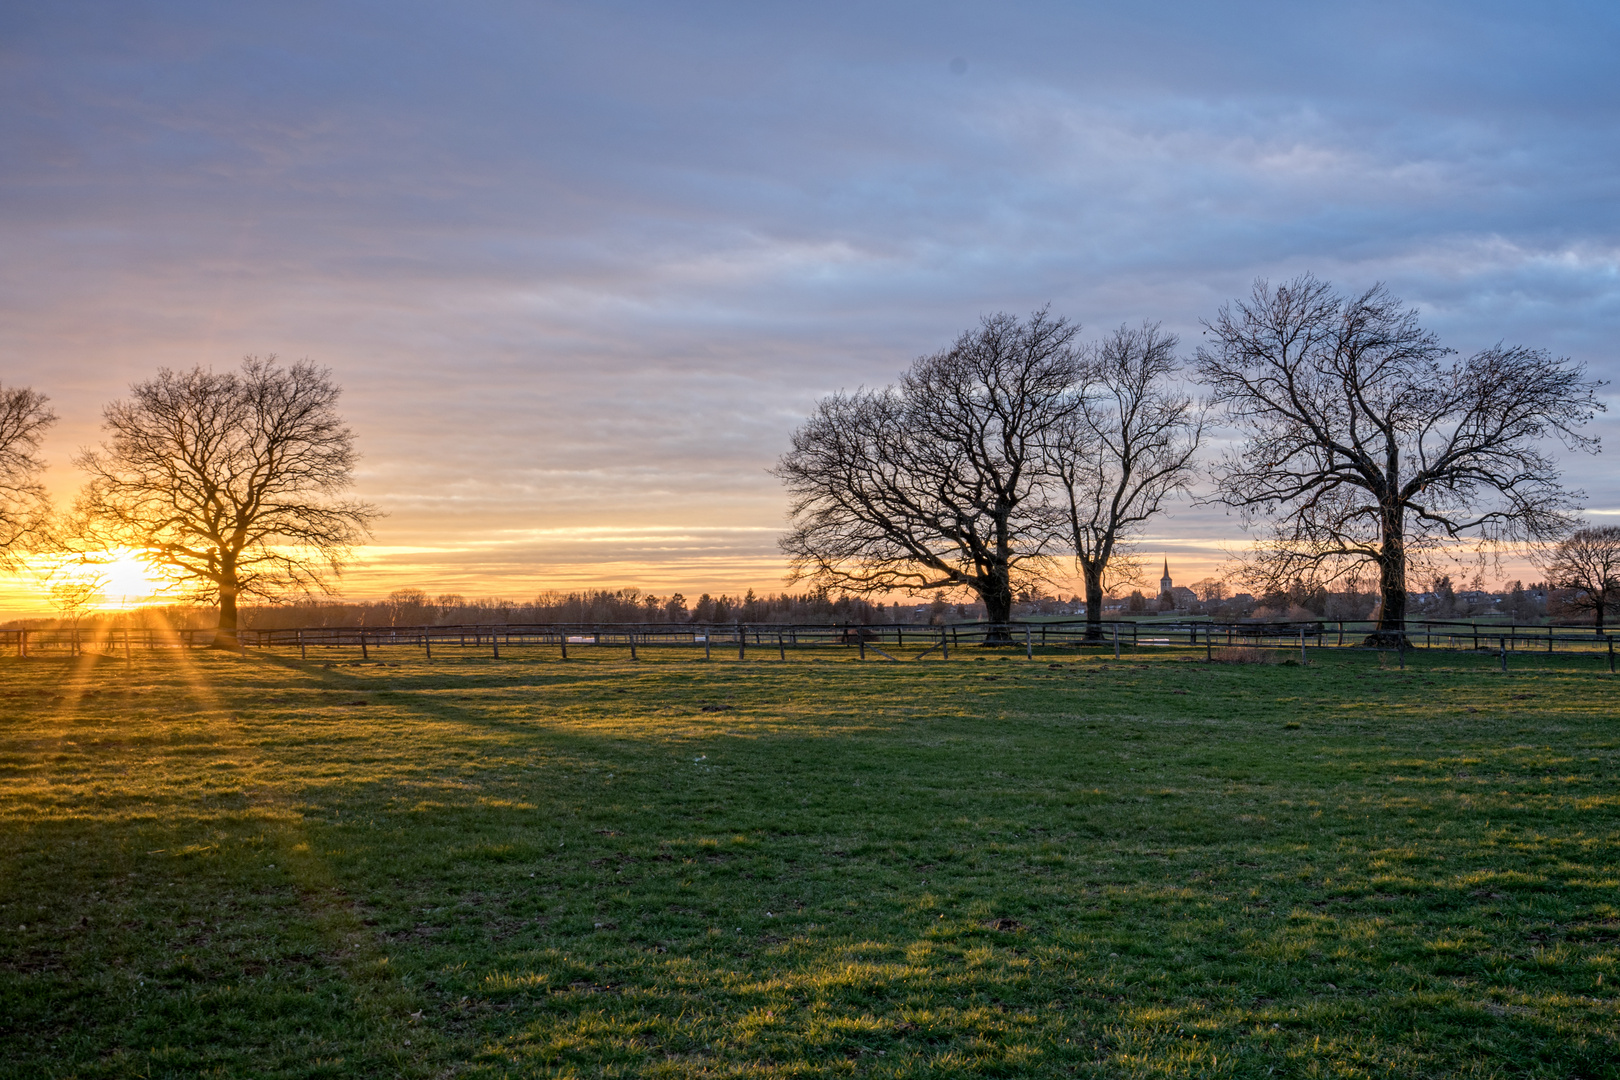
{"x": 582, "y": 268}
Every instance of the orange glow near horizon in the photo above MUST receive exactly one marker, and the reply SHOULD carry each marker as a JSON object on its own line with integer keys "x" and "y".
{"x": 96, "y": 581}
{"x": 128, "y": 579}
{"x": 122, "y": 580}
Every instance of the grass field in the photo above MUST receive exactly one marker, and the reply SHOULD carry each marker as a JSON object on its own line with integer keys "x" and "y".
{"x": 255, "y": 866}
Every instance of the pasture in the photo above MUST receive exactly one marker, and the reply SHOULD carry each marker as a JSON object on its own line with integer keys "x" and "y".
{"x": 245, "y": 866}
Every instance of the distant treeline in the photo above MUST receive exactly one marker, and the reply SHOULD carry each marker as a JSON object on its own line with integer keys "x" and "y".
{"x": 414, "y": 607}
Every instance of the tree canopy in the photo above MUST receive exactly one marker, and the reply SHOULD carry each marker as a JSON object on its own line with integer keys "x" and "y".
{"x": 230, "y": 482}
{"x": 24, "y": 507}
{"x": 1363, "y": 441}
{"x": 937, "y": 483}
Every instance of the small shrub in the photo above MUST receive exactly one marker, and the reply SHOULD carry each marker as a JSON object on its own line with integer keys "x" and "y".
{"x": 1244, "y": 654}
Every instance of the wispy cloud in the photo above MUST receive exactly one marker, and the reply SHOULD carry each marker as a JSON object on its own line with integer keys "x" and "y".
{"x": 584, "y": 266}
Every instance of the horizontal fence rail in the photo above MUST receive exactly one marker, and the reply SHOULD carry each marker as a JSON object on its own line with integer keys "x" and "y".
{"x": 879, "y": 642}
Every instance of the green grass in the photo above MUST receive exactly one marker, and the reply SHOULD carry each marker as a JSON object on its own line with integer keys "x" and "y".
{"x": 254, "y": 866}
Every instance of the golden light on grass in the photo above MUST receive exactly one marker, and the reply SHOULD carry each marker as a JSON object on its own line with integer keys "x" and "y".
{"x": 355, "y": 858}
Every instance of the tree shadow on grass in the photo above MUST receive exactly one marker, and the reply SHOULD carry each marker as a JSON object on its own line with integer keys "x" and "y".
{"x": 511, "y": 883}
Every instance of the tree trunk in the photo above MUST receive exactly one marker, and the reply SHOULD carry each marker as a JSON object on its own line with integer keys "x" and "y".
{"x": 225, "y": 633}
{"x": 1094, "y": 601}
{"x": 998, "y": 600}
{"x": 1391, "y": 632}
{"x": 996, "y": 587}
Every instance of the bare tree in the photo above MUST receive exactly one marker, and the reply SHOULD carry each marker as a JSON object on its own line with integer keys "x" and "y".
{"x": 1129, "y": 446}
{"x": 228, "y": 482}
{"x": 1587, "y": 562}
{"x": 77, "y": 586}
{"x": 24, "y": 507}
{"x": 939, "y": 483}
{"x": 409, "y": 606}
{"x": 1364, "y": 443}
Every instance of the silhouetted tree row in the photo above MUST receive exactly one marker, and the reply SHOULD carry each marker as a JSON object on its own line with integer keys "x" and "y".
{"x": 1514, "y": 601}
{"x": 1362, "y": 444}
{"x": 1017, "y": 453}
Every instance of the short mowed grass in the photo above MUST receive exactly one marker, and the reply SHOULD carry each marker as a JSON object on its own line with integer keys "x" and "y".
{"x": 255, "y": 865}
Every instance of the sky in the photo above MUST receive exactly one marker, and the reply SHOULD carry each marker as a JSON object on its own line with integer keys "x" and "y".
{"x": 582, "y": 268}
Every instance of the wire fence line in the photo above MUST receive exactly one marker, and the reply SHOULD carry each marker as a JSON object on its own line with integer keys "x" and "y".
{"x": 895, "y": 643}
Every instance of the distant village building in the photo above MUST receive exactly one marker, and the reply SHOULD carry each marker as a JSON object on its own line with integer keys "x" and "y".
{"x": 1178, "y": 597}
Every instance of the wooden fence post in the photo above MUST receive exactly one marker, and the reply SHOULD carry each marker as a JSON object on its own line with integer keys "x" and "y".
{"x": 303, "y": 653}
{"x": 1116, "y": 641}
{"x": 1302, "y": 661}
{"x": 364, "y": 653}
{"x": 742, "y": 642}
{"x": 495, "y": 644}
{"x": 944, "y": 645}
{"x": 1501, "y": 647}
{"x": 427, "y": 644}
{"x": 781, "y": 649}
{"x": 632, "y": 645}
{"x": 708, "y": 640}
{"x": 1029, "y": 643}
{"x": 562, "y": 639}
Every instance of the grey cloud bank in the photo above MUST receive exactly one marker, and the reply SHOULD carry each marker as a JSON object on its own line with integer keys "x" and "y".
{"x": 585, "y": 266}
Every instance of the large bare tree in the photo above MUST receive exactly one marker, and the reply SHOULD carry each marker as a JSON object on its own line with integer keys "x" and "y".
{"x": 1129, "y": 447}
{"x": 229, "y": 482}
{"x": 1363, "y": 441}
{"x": 938, "y": 483}
{"x": 1587, "y": 562}
{"x": 24, "y": 507}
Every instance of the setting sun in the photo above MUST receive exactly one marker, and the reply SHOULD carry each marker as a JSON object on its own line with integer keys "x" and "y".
{"x": 109, "y": 579}
{"x": 127, "y": 578}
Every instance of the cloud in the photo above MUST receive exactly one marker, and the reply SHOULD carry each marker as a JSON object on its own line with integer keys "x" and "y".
{"x": 585, "y": 265}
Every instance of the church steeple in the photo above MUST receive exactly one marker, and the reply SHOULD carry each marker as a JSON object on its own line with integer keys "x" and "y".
{"x": 1165, "y": 583}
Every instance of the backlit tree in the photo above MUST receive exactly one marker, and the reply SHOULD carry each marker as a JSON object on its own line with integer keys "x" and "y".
{"x": 229, "y": 482}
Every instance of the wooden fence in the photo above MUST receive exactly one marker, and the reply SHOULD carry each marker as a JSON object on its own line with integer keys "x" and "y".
{"x": 891, "y": 642}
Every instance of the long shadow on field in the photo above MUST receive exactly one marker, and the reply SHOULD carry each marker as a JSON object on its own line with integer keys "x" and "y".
{"x": 949, "y": 896}
{"x": 990, "y": 881}
{"x": 171, "y": 917}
